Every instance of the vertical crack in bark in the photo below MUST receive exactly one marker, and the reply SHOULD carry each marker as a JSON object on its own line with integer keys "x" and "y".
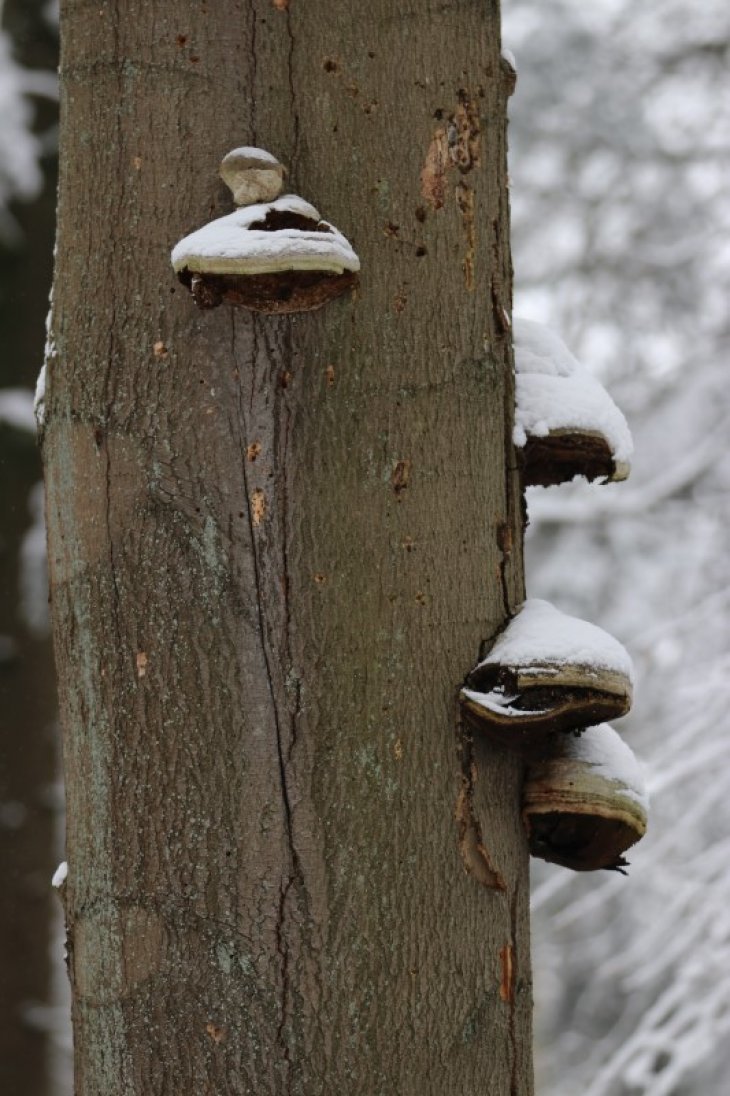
{"x": 102, "y": 438}
{"x": 512, "y": 997}
{"x": 504, "y": 543}
{"x": 253, "y": 55}
{"x": 295, "y": 875}
{"x": 292, "y": 93}
{"x": 283, "y": 949}
{"x": 514, "y": 524}
{"x": 254, "y": 360}
{"x": 108, "y": 390}
{"x": 295, "y": 711}
{"x": 110, "y": 538}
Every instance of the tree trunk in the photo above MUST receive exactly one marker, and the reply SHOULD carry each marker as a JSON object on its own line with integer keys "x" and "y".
{"x": 276, "y": 544}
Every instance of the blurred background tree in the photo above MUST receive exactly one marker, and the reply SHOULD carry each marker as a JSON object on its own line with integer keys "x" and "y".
{"x": 33, "y": 1038}
{"x": 620, "y": 137}
{"x": 621, "y": 214}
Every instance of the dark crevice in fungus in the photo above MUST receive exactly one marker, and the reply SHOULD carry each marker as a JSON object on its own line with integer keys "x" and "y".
{"x": 546, "y": 672}
{"x": 277, "y": 219}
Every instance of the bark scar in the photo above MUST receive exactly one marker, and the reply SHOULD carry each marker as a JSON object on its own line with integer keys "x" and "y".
{"x": 474, "y": 853}
{"x": 433, "y": 173}
{"x": 507, "y": 982}
{"x": 400, "y": 477}
{"x": 454, "y": 144}
{"x": 465, "y": 201}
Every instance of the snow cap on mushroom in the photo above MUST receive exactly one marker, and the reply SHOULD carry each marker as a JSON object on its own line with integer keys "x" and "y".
{"x": 565, "y": 421}
{"x": 585, "y": 804}
{"x": 546, "y": 672}
{"x": 242, "y": 243}
{"x": 269, "y": 257}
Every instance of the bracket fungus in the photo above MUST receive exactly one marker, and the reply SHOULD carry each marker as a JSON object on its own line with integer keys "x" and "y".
{"x": 252, "y": 175}
{"x": 585, "y": 804}
{"x": 566, "y": 424}
{"x": 273, "y": 256}
{"x": 547, "y": 672}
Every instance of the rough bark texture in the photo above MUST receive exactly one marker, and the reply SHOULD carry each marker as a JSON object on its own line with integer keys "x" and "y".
{"x": 276, "y": 545}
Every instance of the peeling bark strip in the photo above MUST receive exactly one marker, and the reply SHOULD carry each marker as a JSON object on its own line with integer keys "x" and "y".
{"x": 271, "y": 542}
{"x": 474, "y": 854}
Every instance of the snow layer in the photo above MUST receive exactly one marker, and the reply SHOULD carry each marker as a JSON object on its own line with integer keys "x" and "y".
{"x": 499, "y": 703}
{"x": 540, "y": 635}
{"x": 230, "y": 246}
{"x": 60, "y": 874}
{"x": 554, "y": 393}
{"x": 39, "y": 400}
{"x": 49, "y": 355}
{"x": 606, "y": 752}
{"x": 16, "y": 408}
{"x": 509, "y": 57}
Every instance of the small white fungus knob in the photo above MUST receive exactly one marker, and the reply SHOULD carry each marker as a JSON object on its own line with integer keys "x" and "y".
{"x": 253, "y": 175}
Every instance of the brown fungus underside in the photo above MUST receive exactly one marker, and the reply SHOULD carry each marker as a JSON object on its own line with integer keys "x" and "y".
{"x": 561, "y": 456}
{"x": 279, "y": 292}
{"x": 579, "y": 841}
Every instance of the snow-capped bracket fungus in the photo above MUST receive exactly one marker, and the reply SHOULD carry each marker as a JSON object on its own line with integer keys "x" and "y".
{"x": 547, "y": 672}
{"x": 585, "y": 804}
{"x": 270, "y": 256}
{"x": 566, "y": 424}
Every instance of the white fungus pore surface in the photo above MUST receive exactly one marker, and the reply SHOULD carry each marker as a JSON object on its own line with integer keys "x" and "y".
{"x": 39, "y": 400}
{"x": 541, "y": 635}
{"x": 555, "y": 394}
{"x": 230, "y": 246}
{"x": 606, "y": 753}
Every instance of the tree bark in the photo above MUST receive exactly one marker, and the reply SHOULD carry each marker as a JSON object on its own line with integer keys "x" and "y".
{"x": 276, "y": 545}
